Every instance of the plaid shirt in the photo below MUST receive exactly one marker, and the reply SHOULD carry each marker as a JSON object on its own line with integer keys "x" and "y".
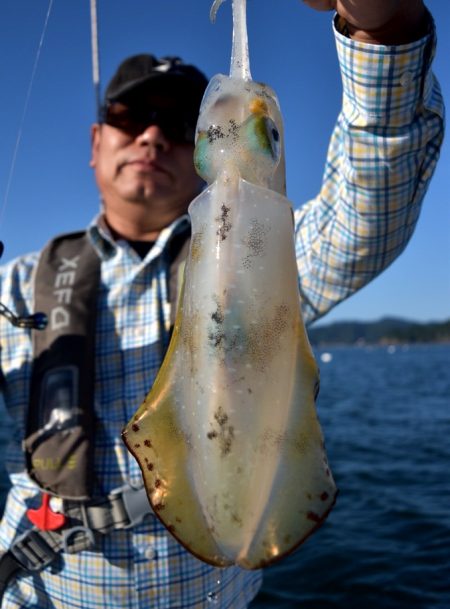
{"x": 381, "y": 158}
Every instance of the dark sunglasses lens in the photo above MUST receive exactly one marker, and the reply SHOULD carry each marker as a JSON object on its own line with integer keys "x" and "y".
{"x": 176, "y": 128}
{"x": 121, "y": 117}
{"x": 134, "y": 120}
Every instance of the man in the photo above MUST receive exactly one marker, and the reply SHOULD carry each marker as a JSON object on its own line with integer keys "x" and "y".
{"x": 381, "y": 158}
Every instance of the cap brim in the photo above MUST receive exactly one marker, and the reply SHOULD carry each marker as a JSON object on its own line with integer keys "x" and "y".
{"x": 170, "y": 84}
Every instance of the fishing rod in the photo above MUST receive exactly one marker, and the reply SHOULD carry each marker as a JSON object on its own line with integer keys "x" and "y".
{"x": 95, "y": 57}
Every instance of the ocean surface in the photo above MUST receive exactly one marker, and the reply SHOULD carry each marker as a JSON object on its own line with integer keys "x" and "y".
{"x": 385, "y": 413}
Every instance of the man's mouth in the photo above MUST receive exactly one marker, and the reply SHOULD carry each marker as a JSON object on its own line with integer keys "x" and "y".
{"x": 145, "y": 166}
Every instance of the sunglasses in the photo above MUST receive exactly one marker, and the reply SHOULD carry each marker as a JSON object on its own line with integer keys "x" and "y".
{"x": 176, "y": 124}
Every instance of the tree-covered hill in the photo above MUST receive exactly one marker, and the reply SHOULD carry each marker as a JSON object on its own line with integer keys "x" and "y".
{"x": 386, "y": 330}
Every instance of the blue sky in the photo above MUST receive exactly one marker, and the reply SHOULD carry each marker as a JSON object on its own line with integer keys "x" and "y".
{"x": 52, "y": 189}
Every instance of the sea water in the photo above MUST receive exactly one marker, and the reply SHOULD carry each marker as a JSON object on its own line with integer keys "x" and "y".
{"x": 385, "y": 413}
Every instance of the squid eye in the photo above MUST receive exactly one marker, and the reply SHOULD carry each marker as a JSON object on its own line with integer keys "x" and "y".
{"x": 263, "y": 136}
{"x": 274, "y": 138}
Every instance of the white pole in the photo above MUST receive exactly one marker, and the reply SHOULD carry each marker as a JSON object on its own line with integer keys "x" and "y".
{"x": 95, "y": 57}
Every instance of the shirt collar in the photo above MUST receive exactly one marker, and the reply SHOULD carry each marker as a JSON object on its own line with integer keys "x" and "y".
{"x": 106, "y": 246}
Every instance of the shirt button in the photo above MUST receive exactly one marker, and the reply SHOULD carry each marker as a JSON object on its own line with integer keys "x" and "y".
{"x": 150, "y": 553}
{"x": 406, "y": 78}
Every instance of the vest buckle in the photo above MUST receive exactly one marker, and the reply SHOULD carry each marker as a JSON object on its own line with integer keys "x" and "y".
{"x": 130, "y": 504}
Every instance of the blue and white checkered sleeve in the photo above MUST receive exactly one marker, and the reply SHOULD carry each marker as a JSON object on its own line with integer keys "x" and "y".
{"x": 381, "y": 157}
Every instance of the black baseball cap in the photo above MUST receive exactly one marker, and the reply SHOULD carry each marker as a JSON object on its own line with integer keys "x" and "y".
{"x": 168, "y": 76}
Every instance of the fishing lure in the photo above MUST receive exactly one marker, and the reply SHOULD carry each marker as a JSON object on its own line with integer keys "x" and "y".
{"x": 228, "y": 439}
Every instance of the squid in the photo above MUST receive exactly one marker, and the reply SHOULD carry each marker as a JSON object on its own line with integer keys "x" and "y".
{"x": 228, "y": 439}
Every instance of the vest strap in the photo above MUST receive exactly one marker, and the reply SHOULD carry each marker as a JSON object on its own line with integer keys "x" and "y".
{"x": 34, "y": 550}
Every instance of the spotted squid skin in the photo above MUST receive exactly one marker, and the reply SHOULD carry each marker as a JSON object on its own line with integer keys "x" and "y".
{"x": 228, "y": 440}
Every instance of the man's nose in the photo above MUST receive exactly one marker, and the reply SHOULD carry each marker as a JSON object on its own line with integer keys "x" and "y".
{"x": 153, "y": 135}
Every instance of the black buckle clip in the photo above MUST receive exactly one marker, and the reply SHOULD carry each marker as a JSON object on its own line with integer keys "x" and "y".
{"x": 32, "y": 551}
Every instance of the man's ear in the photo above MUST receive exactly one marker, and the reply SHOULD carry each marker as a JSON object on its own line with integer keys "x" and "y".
{"x": 95, "y": 142}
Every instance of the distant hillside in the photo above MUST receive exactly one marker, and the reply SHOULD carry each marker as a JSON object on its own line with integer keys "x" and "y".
{"x": 386, "y": 330}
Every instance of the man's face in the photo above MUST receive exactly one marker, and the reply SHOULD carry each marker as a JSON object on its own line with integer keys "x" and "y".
{"x": 140, "y": 164}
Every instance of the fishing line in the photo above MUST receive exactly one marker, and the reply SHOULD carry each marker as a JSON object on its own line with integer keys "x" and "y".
{"x": 95, "y": 57}
{"x": 25, "y": 109}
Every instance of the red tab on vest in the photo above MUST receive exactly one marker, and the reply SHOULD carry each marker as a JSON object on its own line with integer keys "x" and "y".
{"x": 44, "y": 518}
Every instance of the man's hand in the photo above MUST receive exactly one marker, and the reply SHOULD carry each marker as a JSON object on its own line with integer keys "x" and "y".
{"x": 379, "y": 21}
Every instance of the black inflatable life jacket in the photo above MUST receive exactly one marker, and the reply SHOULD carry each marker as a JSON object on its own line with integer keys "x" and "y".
{"x": 59, "y": 439}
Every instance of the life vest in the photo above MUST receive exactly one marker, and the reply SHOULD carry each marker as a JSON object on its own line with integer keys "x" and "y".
{"x": 59, "y": 439}
{"x": 60, "y": 424}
